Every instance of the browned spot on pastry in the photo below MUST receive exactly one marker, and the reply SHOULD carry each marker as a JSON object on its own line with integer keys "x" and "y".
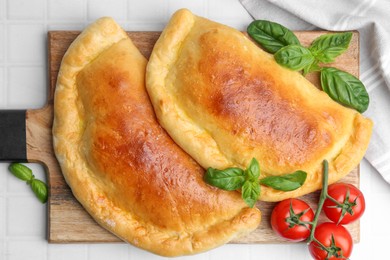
{"x": 249, "y": 101}
{"x": 135, "y": 153}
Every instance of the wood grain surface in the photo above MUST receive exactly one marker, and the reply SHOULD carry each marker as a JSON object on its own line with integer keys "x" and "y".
{"x": 68, "y": 222}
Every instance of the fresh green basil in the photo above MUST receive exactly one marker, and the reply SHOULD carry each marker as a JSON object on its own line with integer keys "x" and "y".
{"x": 288, "y": 52}
{"x": 271, "y": 36}
{"x": 40, "y": 190}
{"x": 250, "y": 192}
{"x": 227, "y": 179}
{"x": 294, "y": 57}
{"x": 248, "y": 181}
{"x": 235, "y": 178}
{"x": 312, "y": 67}
{"x": 21, "y": 171}
{"x": 287, "y": 182}
{"x": 344, "y": 88}
{"x": 37, "y": 186}
{"x": 253, "y": 171}
{"x": 328, "y": 46}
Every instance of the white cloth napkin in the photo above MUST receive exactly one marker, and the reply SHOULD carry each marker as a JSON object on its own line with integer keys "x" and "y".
{"x": 372, "y": 19}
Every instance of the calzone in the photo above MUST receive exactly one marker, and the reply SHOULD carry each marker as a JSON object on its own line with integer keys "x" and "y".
{"x": 225, "y": 101}
{"x": 122, "y": 166}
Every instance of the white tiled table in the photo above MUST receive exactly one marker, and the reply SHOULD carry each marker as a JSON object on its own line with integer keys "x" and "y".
{"x": 23, "y": 83}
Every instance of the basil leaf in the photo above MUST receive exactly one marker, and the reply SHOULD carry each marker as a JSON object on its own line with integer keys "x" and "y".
{"x": 344, "y": 88}
{"x": 250, "y": 192}
{"x": 327, "y": 47}
{"x": 287, "y": 182}
{"x": 271, "y": 36}
{"x": 253, "y": 171}
{"x": 21, "y": 171}
{"x": 227, "y": 179}
{"x": 312, "y": 67}
{"x": 294, "y": 57}
{"x": 40, "y": 190}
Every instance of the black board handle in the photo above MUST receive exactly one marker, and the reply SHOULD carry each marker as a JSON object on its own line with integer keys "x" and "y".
{"x": 13, "y": 135}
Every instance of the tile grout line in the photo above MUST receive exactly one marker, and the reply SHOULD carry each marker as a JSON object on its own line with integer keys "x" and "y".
{"x": 5, "y": 50}
{"x": 86, "y": 4}
{"x": 3, "y": 233}
{"x": 127, "y": 12}
{"x": 2, "y": 64}
{"x": 4, "y": 69}
{"x": 24, "y": 65}
{"x": 86, "y": 250}
{"x": 6, "y": 21}
{"x": 2, "y": 10}
{"x": 5, "y": 102}
{"x": 167, "y": 9}
{"x": 207, "y": 7}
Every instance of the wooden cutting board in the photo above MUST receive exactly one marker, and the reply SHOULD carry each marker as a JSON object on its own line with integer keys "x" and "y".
{"x": 67, "y": 220}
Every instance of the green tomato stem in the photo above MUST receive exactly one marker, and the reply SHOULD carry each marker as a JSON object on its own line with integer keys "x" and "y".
{"x": 335, "y": 201}
{"x": 323, "y": 196}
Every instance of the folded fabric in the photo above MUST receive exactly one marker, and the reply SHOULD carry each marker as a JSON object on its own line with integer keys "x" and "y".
{"x": 370, "y": 18}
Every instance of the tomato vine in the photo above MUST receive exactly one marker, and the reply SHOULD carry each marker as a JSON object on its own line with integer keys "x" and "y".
{"x": 329, "y": 240}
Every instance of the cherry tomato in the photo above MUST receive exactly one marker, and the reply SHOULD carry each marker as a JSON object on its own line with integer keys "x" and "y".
{"x": 289, "y": 219}
{"x": 352, "y": 200}
{"x": 336, "y": 242}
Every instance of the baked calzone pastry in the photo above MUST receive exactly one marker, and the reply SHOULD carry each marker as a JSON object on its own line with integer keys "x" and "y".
{"x": 225, "y": 101}
{"x": 122, "y": 166}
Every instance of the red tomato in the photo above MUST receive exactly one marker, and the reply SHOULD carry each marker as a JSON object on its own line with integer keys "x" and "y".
{"x": 353, "y": 203}
{"x": 339, "y": 248}
{"x": 289, "y": 219}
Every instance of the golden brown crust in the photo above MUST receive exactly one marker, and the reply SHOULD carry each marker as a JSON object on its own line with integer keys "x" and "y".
{"x": 122, "y": 166}
{"x": 225, "y": 101}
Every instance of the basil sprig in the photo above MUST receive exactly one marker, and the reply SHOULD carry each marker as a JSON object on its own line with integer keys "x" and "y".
{"x": 235, "y": 178}
{"x": 271, "y": 36}
{"x": 249, "y": 182}
{"x": 344, "y": 88}
{"x": 25, "y": 174}
{"x": 341, "y": 86}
